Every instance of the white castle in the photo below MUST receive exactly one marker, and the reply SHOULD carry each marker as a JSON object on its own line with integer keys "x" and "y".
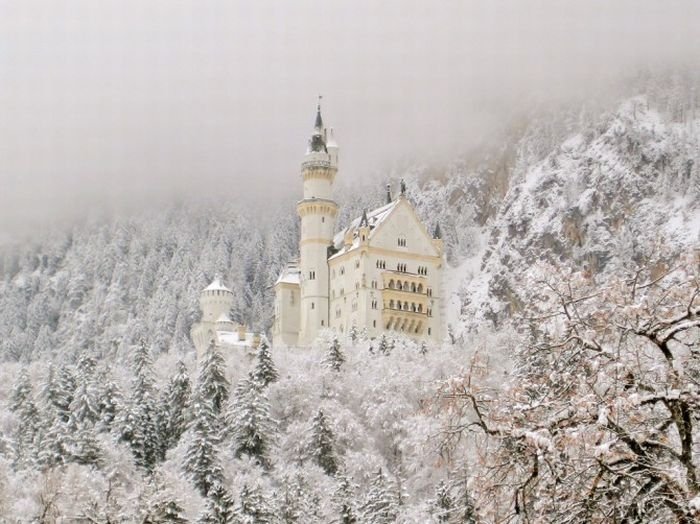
{"x": 216, "y": 327}
{"x": 382, "y": 273}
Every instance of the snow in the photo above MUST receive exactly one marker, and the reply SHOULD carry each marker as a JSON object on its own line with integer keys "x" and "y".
{"x": 216, "y": 285}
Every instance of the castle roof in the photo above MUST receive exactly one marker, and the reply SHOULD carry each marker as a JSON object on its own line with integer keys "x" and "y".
{"x": 374, "y": 218}
{"x": 216, "y": 285}
{"x": 290, "y": 275}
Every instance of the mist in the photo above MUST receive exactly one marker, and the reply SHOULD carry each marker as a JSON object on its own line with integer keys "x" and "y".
{"x": 120, "y": 104}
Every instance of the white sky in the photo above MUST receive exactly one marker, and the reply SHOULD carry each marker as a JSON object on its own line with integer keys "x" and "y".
{"x": 105, "y": 103}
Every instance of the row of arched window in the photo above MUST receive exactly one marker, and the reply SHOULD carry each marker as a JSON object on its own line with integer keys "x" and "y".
{"x": 405, "y": 306}
{"x": 406, "y": 286}
{"x": 381, "y": 264}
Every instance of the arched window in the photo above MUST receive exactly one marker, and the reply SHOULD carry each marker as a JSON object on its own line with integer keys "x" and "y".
{"x": 391, "y": 284}
{"x": 391, "y": 304}
{"x": 413, "y": 287}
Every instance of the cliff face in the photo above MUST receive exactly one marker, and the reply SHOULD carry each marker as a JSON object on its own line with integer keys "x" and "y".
{"x": 607, "y": 198}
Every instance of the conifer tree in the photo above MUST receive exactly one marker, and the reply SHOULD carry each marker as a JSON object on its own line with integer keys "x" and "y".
{"x": 322, "y": 444}
{"x": 344, "y": 500}
{"x": 109, "y": 400}
{"x": 137, "y": 422}
{"x": 251, "y": 423}
{"x": 384, "y": 346}
{"x": 265, "y": 371}
{"x": 23, "y": 405}
{"x": 443, "y": 503}
{"x": 176, "y": 400}
{"x": 212, "y": 383}
{"x": 335, "y": 358}
{"x": 201, "y": 458}
{"x": 253, "y": 507}
{"x": 380, "y": 506}
{"x": 159, "y": 505}
{"x": 219, "y": 506}
{"x": 354, "y": 334}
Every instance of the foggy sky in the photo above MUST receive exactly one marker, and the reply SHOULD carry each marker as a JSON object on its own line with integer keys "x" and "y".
{"x": 110, "y": 103}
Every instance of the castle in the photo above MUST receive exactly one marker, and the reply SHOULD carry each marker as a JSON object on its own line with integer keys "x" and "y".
{"x": 215, "y": 326}
{"x": 380, "y": 274}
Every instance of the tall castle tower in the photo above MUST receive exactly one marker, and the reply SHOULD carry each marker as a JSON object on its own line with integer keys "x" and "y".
{"x": 318, "y": 212}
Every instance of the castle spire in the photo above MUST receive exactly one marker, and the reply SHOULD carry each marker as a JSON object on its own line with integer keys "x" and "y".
{"x": 388, "y": 193}
{"x": 363, "y": 221}
{"x": 437, "y": 233}
{"x": 318, "y": 141}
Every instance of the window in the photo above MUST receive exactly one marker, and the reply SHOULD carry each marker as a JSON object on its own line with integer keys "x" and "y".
{"x": 374, "y": 284}
{"x": 312, "y": 275}
{"x": 291, "y": 298}
{"x": 401, "y": 267}
{"x": 323, "y": 219}
{"x": 322, "y": 323}
{"x": 374, "y": 304}
{"x": 374, "y": 323}
{"x": 357, "y": 264}
{"x": 381, "y": 264}
{"x": 354, "y": 305}
{"x": 313, "y": 306}
{"x": 429, "y": 291}
{"x": 391, "y": 304}
{"x": 342, "y": 270}
{"x": 402, "y": 241}
{"x": 428, "y": 331}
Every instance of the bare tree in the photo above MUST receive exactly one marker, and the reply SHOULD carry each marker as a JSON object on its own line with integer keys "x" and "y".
{"x": 598, "y": 422}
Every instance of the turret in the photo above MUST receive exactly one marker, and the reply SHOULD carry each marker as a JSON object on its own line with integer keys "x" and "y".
{"x": 317, "y": 211}
{"x": 215, "y": 301}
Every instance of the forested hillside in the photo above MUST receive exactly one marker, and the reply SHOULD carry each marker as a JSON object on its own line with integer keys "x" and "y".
{"x": 565, "y": 391}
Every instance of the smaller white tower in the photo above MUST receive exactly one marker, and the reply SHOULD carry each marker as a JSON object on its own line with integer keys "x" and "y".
{"x": 215, "y": 302}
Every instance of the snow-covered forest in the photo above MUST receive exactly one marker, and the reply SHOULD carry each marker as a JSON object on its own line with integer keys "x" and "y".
{"x": 566, "y": 390}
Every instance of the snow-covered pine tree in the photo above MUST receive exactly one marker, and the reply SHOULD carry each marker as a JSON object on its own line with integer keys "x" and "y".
{"x": 23, "y": 405}
{"x": 137, "y": 422}
{"x": 253, "y": 507}
{"x": 173, "y": 414}
{"x": 380, "y": 505}
{"x": 322, "y": 444}
{"x": 201, "y": 457}
{"x": 109, "y": 400}
{"x": 250, "y": 422}
{"x": 219, "y": 507}
{"x": 443, "y": 505}
{"x": 212, "y": 383}
{"x": 423, "y": 348}
{"x": 265, "y": 371}
{"x": 344, "y": 500}
{"x": 334, "y": 358}
{"x": 384, "y": 345}
{"x": 159, "y": 505}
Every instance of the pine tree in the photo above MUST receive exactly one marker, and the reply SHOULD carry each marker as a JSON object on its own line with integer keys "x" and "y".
{"x": 265, "y": 371}
{"x": 322, "y": 444}
{"x": 212, "y": 383}
{"x": 380, "y": 506}
{"x": 109, "y": 400}
{"x": 201, "y": 458}
{"x": 83, "y": 447}
{"x": 344, "y": 498}
{"x": 354, "y": 334}
{"x": 384, "y": 346}
{"x": 23, "y": 405}
{"x": 176, "y": 400}
{"x": 137, "y": 422}
{"x": 219, "y": 506}
{"x": 251, "y": 423}
{"x": 159, "y": 506}
{"x": 253, "y": 507}
{"x": 443, "y": 503}
{"x": 423, "y": 348}
{"x": 335, "y": 358}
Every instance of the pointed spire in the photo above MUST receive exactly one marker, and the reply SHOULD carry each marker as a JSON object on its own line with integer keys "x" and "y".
{"x": 388, "y": 193}
{"x": 318, "y": 142}
{"x": 363, "y": 221}
{"x": 437, "y": 233}
{"x": 318, "y": 125}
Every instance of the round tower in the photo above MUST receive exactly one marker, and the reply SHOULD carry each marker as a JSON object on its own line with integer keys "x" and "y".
{"x": 216, "y": 300}
{"x": 317, "y": 212}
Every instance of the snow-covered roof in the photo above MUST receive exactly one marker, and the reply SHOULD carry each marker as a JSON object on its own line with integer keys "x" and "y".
{"x": 223, "y": 318}
{"x": 230, "y": 338}
{"x": 289, "y": 275}
{"x": 374, "y": 218}
{"x": 216, "y": 285}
